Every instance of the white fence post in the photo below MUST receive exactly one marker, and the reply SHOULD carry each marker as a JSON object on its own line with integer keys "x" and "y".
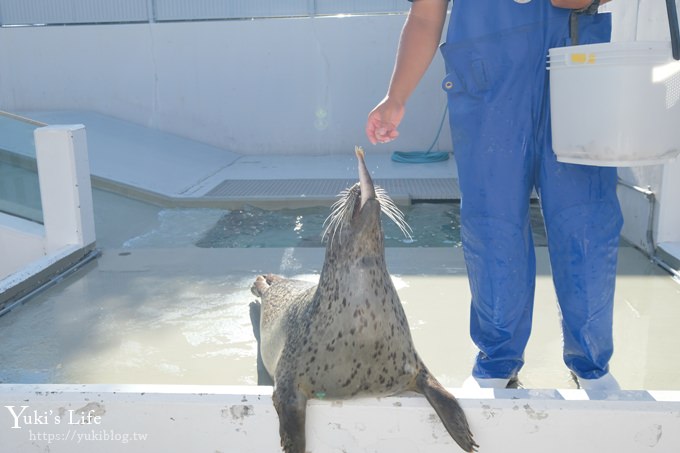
{"x": 65, "y": 188}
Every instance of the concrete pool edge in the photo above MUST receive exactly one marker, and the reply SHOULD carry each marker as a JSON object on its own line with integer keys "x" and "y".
{"x": 137, "y": 418}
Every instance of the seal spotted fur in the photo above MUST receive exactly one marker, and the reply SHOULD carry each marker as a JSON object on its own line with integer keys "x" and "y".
{"x": 348, "y": 335}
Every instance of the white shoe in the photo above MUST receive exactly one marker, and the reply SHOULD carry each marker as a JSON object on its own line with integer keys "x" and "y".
{"x": 605, "y": 382}
{"x": 485, "y": 383}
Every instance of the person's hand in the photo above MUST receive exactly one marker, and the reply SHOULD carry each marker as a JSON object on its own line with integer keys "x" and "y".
{"x": 382, "y": 123}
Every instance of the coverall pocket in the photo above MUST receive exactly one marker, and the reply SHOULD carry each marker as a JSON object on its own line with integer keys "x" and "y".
{"x": 483, "y": 67}
{"x": 465, "y": 107}
{"x": 486, "y": 80}
{"x": 469, "y": 75}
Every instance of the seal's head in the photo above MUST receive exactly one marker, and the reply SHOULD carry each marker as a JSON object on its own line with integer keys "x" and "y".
{"x": 354, "y": 223}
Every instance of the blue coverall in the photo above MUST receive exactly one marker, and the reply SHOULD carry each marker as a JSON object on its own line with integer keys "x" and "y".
{"x": 499, "y": 110}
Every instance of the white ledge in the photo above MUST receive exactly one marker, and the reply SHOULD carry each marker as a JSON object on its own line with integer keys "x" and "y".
{"x": 150, "y": 418}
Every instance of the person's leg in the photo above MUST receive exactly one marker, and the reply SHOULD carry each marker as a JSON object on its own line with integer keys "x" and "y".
{"x": 495, "y": 162}
{"x": 501, "y": 269}
{"x": 491, "y": 110}
{"x": 583, "y": 221}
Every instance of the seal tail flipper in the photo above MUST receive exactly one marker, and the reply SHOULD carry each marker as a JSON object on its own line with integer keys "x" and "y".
{"x": 259, "y": 287}
{"x": 448, "y": 409}
{"x": 262, "y": 284}
{"x": 263, "y": 377}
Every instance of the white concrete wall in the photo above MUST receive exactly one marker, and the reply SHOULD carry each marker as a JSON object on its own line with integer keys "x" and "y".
{"x": 251, "y": 86}
{"x": 85, "y": 418}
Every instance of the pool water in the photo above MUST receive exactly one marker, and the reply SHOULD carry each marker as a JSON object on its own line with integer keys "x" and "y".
{"x": 432, "y": 225}
{"x": 19, "y": 190}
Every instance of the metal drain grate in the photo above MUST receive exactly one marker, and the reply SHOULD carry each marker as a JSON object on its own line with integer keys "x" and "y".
{"x": 416, "y": 189}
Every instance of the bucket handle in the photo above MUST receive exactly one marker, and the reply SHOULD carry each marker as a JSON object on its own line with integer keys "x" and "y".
{"x": 675, "y": 30}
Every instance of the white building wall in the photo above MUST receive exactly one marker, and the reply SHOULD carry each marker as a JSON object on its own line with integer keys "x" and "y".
{"x": 252, "y": 86}
{"x": 71, "y": 11}
{"x": 23, "y": 12}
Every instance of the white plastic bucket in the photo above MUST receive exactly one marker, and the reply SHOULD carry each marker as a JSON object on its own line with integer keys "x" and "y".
{"x": 615, "y": 104}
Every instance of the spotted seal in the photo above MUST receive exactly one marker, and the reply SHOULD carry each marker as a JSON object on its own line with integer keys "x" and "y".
{"x": 347, "y": 336}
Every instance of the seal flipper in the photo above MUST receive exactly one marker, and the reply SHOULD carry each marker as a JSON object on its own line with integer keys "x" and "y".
{"x": 448, "y": 409}
{"x": 263, "y": 377}
{"x": 291, "y": 405}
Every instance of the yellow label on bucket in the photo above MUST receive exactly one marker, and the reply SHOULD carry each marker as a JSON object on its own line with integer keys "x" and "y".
{"x": 583, "y": 58}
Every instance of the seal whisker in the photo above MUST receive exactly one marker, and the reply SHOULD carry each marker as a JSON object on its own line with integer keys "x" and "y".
{"x": 343, "y": 210}
{"x": 392, "y": 211}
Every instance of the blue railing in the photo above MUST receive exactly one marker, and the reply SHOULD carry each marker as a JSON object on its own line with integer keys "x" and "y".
{"x": 19, "y": 186}
{"x": 60, "y": 12}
